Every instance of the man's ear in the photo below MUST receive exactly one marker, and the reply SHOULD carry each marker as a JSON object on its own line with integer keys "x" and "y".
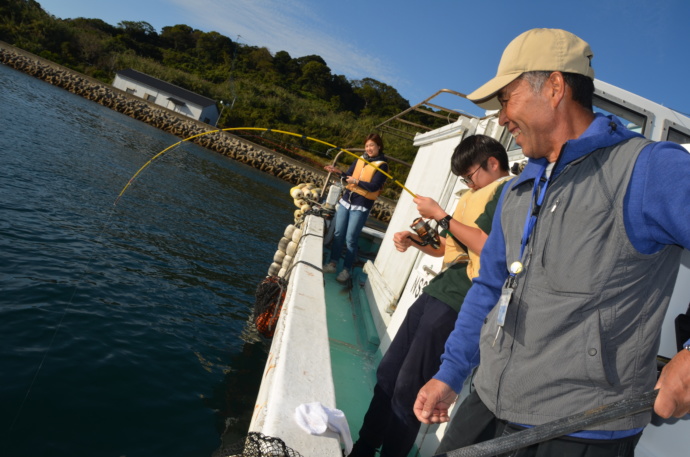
{"x": 556, "y": 85}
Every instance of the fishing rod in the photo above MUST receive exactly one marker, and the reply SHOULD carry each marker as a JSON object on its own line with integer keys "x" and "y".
{"x": 571, "y": 424}
{"x": 304, "y": 137}
{"x": 427, "y": 234}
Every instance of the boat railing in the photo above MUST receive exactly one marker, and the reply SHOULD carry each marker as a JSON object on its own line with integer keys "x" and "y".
{"x": 424, "y": 116}
{"x": 298, "y": 368}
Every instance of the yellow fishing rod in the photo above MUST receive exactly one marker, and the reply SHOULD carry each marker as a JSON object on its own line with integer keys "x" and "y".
{"x": 134, "y": 177}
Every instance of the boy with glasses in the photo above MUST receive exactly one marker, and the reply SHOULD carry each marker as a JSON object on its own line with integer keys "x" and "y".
{"x": 414, "y": 354}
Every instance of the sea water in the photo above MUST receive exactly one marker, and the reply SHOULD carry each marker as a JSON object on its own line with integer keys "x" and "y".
{"x": 124, "y": 326}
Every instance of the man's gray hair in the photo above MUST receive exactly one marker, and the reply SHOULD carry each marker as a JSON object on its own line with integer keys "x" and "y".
{"x": 582, "y": 86}
{"x": 536, "y": 79}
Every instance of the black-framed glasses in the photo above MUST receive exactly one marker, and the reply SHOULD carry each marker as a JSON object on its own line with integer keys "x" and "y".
{"x": 467, "y": 180}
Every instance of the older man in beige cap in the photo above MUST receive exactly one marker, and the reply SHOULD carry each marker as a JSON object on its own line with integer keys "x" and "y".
{"x": 577, "y": 274}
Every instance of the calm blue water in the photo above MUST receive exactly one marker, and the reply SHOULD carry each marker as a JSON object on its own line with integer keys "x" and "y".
{"x": 124, "y": 327}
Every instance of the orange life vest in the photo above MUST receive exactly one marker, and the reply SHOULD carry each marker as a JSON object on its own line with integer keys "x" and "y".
{"x": 364, "y": 172}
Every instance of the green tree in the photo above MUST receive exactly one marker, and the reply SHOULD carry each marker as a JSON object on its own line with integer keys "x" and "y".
{"x": 347, "y": 99}
{"x": 316, "y": 78}
{"x": 278, "y": 91}
{"x": 379, "y": 98}
{"x": 214, "y": 48}
{"x": 179, "y": 37}
{"x": 139, "y": 31}
{"x": 259, "y": 59}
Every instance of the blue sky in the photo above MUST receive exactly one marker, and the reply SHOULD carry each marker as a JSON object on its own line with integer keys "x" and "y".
{"x": 419, "y": 47}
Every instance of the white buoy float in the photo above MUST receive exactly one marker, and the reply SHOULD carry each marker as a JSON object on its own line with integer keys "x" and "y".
{"x": 274, "y": 268}
{"x": 282, "y": 244}
{"x": 279, "y": 256}
{"x": 296, "y": 235}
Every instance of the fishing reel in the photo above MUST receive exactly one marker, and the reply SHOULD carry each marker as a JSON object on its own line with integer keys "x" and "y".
{"x": 426, "y": 233}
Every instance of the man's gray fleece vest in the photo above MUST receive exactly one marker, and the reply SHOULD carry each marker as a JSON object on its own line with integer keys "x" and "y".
{"x": 583, "y": 326}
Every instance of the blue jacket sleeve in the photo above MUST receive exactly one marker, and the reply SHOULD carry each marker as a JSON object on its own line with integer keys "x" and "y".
{"x": 462, "y": 347}
{"x": 657, "y": 201}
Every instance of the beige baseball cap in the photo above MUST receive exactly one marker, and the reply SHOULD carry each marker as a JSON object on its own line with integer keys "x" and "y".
{"x": 536, "y": 50}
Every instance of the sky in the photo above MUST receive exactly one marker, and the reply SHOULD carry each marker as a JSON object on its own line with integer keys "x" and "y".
{"x": 420, "y": 47}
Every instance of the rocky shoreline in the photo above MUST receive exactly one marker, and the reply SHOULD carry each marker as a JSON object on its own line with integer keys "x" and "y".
{"x": 181, "y": 126}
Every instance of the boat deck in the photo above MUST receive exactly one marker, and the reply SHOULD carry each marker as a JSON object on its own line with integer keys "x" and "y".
{"x": 354, "y": 358}
{"x": 354, "y": 342}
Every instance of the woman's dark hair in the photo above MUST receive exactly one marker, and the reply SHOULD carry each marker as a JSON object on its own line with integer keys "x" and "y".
{"x": 376, "y": 139}
{"x": 477, "y": 149}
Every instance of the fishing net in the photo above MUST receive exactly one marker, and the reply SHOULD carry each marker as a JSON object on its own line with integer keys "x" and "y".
{"x": 270, "y": 294}
{"x": 259, "y": 445}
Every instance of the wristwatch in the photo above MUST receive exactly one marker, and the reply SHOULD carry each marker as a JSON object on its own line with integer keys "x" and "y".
{"x": 686, "y": 345}
{"x": 445, "y": 222}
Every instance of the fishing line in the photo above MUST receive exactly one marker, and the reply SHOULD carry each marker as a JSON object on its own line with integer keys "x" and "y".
{"x": 304, "y": 137}
{"x": 112, "y": 210}
{"x": 107, "y": 222}
{"x": 98, "y": 239}
{"x": 133, "y": 179}
{"x": 58, "y": 327}
{"x": 87, "y": 269}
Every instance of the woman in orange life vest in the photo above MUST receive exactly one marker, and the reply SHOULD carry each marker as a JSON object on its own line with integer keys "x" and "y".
{"x": 364, "y": 184}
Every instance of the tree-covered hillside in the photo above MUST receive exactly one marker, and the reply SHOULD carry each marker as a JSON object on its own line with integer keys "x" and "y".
{"x": 259, "y": 89}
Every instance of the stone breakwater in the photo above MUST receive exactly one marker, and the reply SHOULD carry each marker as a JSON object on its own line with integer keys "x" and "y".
{"x": 181, "y": 126}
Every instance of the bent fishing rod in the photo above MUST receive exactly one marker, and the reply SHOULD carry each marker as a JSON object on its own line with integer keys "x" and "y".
{"x": 304, "y": 137}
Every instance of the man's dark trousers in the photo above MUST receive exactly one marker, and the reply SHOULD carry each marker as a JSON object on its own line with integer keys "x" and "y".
{"x": 411, "y": 360}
